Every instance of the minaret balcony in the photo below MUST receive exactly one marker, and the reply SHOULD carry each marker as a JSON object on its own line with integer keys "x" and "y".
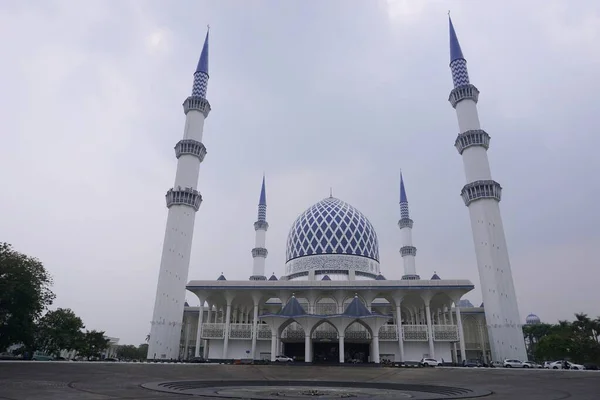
{"x": 475, "y": 137}
{"x": 463, "y": 92}
{"x": 184, "y": 196}
{"x": 191, "y": 147}
{"x": 487, "y": 189}
{"x": 259, "y": 252}
{"x": 410, "y": 277}
{"x": 405, "y": 223}
{"x": 196, "y": 103}
{"x": 408, "y": 251}
{"x": 258, "y": 225}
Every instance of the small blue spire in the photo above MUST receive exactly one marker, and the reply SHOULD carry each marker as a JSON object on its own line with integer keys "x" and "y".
{"x": 262, "y": 203}
{"x": 455, "y": 50}
{"x": 203, "y": 62}
{"x": 263, "y": 194}
{"x": 201, "y": 74}
{"x": 403, "y": 198}
{"x": 404, "y": 214}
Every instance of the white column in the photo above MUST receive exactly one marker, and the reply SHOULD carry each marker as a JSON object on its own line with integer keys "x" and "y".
{"x": 227, "y": 326}
{"x": 273, "y": 345}
{"x": 399, "y": 326}
{"x": 186, "y": 346}
{"x": 199, "y": 330}
{"x": 341, "y": 341}
{"x": 254, "y": 331}
{"x": 429, "y": 331}
{"x": 454, "y": 354}
{"x": 307, "y": 348}
{"x": 461, "y": 336}
{"x": 375, "y": 356}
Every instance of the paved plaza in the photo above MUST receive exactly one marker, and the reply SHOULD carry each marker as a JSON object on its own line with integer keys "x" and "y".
{"x": 96, "y": 381}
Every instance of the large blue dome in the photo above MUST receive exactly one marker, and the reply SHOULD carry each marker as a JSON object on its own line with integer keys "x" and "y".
{"x": 332, "y": 227}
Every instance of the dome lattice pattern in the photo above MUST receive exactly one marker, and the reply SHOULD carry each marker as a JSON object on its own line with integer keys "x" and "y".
{"x": 332, "y": 227}
{"x": 532, "y": 319}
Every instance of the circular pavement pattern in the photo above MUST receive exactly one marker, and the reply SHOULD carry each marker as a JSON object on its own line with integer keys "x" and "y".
{"x": 278, "y": 389}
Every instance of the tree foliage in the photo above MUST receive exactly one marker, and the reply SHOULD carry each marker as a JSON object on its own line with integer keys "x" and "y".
{"x": 130, "y": 352}
{"x": 24, "y": 295}
{"x": 92, "y": 344}
{"x": 59, "y": 330}
{"x": 576, "y": 341}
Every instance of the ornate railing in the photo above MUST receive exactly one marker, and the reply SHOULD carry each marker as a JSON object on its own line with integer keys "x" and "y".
{"x": 264, "y": 332}
{"x": 445, "y": 333}
{"x": 293, "y": 332}
{"x": 240, "y": 331}
{"x": 326, "y": 309}
{"x": 357, "y": 333}
{"x": 388, "y": 332}
{"x": 414, "y": 333}
{"x": 212, "y": 330}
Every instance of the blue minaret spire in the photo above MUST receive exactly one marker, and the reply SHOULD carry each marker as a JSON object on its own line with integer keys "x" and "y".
{"x": 403, "y": 200}
{"x": 262, "y": 203}
{"x": 458, "y": 64}
{"x": 201, "y": 74}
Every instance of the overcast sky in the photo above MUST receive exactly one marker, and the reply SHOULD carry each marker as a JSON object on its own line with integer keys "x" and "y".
{"x": 316, "y": 94}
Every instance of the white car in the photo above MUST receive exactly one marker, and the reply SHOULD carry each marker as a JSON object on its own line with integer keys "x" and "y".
{"x": 283, "y": 359}
{"x": 531, "y": 364}
{"x": 511, "y": 363}
{"x": 430, "y": 362}
{"x": 559, "y": 365}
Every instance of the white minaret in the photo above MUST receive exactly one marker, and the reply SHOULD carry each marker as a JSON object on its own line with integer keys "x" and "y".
{"x": 183, "y": 200}
{"x": 482, "y": 195}
{"x": 408, "y": 251}
{"x": 259, "y": 252}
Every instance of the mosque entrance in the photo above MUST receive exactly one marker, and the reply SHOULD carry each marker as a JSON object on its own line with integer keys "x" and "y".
{"x": 294, "y": 350}
{"x": 356, "y": 352}
{"x": 326, "y": 352}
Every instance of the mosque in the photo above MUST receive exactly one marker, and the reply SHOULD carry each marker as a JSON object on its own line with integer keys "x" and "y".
{"x": 333, "y": 303}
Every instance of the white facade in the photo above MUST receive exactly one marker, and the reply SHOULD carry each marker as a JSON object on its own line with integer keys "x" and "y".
{"x": 482, "y": 195}
{"x": 183, "y": 202}
{"x": 412, "y": 319}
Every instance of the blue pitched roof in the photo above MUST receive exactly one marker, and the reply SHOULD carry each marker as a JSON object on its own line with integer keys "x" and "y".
{"x": 203, "y": 62}
{"x": 356, "y": 309}
{"x": 263, "y": 194}
{"x": 221, "y": 278}
{"x": 403, "y": 198}
{"x": 326, "y": 278}
{"x": 273, "y": 278}
{"x": 435, "y": 277}
{"x": 380, "y": 278}
{"x": 292, "y": 308}
{"x": 455, "y": 50}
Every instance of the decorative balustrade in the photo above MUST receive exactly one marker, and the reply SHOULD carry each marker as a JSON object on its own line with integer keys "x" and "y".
{"x": 357, "y": 333}
{"x": 325, "y": 332}
{"x": 326, "y": 309}
{"x": 240, "y": 331}
{"x": 211, "y": 330}
{"x": 414, "y": 333}
{"x": 445, "y": 333}
{"x": 264, "y": 332}
{"x": 388, "y": 332}
{"x": 293, "y": 333}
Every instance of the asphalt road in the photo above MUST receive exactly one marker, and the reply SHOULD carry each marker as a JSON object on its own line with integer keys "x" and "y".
{"x": 105, "y": 381}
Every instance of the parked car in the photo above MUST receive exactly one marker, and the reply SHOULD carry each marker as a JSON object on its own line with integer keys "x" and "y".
{"x": 570, "y": 365}
{"x": 496, "y": 364}
{"x": 590, "y": 366}
{"x": 283, "y": 359}
{"x": 531, "y": 364}
{"x": 429, "y": 362}
{"x": 474, "y": 363}
{"x": 547, "y": 364}
{"x": 511, "y": 363}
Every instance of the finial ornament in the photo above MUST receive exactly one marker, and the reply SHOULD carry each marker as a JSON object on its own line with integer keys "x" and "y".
{"x": 330, "y": 191}
{"x": 448, "y": 12}
{"x": 208, "y": 25}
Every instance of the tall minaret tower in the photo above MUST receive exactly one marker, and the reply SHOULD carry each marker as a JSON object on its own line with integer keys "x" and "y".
{"x": 408, "y": 251}
{"x": 482, "y": 195}
{"x": 259, "y": 252}
{"x": 183, "y": 201}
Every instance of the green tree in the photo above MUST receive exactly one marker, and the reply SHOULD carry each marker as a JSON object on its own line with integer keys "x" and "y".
{"x": 24, "y": 295}
{"x": 127, "y": 351}
{"x": 142, "y": 351}
{"x": 92, "y": 344}
{"x": 59, "y": 330}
